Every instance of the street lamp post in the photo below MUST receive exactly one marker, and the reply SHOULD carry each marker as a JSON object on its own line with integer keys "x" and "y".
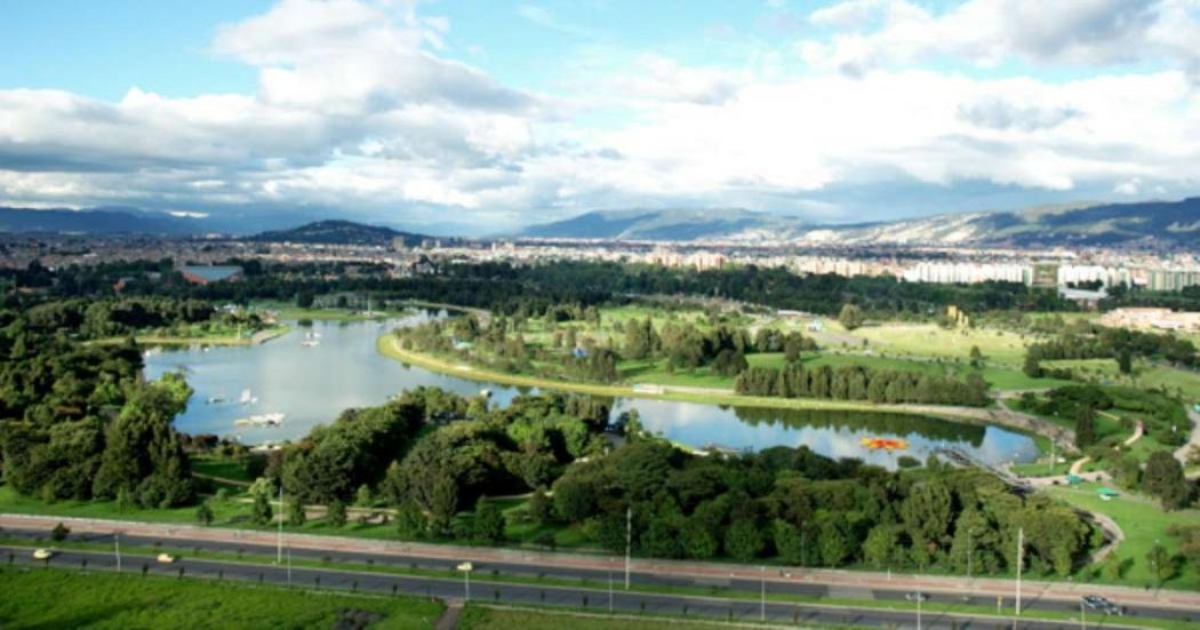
{"x": 279, "y": 537}
{"x": 970, "y": 550}
{"x": 762, "y": 577}
{"x": 1082, "y": 616}
{"x": 466, "y": 568}
{"x": 920, "y": 596}
{"x": 628, "y": 542}
{"x": 610, "y": 591}
{"x": 117, "y": 547}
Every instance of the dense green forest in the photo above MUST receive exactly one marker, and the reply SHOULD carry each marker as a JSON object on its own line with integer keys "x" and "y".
{"x": 77, "y": 421}
{"x": 509, "y": 289}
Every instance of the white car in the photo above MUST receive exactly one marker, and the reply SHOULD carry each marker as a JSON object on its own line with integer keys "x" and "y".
{"x": 165, "y": 558}
{"x": 42, "y": 554}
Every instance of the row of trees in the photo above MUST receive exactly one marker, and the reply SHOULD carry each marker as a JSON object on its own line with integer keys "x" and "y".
{"x": 808, "y": 510}
{"x": 507, "y": 288}
{"x": 855, "y": 382}
{"x": 1120, "y": 344}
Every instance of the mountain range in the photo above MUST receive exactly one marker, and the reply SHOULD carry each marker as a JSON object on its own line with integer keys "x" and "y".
{"x": 1144, "y": 225}
{"x": 1156, "y": 224}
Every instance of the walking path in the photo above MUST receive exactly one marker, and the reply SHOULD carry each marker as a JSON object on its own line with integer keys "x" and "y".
{"x": 1193, "y": 442}
{"x": 449, "y": 620}
{"x": 1137, "y": 433}
{"x": 451, "y": 554}
{"x": 1077, "y": 467}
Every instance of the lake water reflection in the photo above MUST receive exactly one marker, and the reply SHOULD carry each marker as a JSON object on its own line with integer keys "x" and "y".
{"x": 339, "y": 367}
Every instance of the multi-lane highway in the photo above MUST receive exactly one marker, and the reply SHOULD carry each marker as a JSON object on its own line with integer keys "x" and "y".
{"x": 717, "y": 590}
{"x": 597, "y": 599}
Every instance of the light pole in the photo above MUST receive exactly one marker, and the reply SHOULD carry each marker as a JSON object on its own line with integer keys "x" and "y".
{"x": 610, "y": 591}
{"x": 1082, "y": 616}
{"x": 970, "y": 550}
{"x": 466, "y": 568}
{"x": 628, "y": 542}
{"x": 762, "y": 578}
{"x": 279, "y": 537}
{"x": 117, "y": 546}
{"x": 1020, "y": 565}
{"x": 920, "y": 596}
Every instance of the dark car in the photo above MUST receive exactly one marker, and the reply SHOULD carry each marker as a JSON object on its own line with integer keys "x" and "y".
{"x": 917, "y": 596}
{"x": 1101, "y": 604}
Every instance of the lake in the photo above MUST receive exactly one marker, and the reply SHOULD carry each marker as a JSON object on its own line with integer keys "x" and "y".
{"x": 311, "y": 374}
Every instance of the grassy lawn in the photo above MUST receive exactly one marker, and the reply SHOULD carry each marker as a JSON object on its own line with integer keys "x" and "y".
{"x": 222, "y": 467}
{"x": 1143, "y": 522}
{"x": 52, "y": 598}
{"x": 931, "y": 340}
{"x": 485, "y": 618}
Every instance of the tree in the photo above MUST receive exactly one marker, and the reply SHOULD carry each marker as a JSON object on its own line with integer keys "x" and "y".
{"x": 1085, "y": 428}
{"x": 487, "y": 524}
{"x": 1032, "y": 367}
{"x": 851, "y": 316}
{"x": 1164, "y": 479}
{"x": 261, "y": 513}
{"x": 335, "y": 514}
{"x": 1160, "y": 564}
{"x": 743, "y": 541}
{"x": 204, "y": 514}
{"x": 976, "y": 357}
{"x": 297, "y": 516}
{"x": 541, "y": 508}
{"x": 1125, "y": 361}
{"x": 879, "y": 548}
{"x": 364, "y": 497}
{"x": 410, "y": 520}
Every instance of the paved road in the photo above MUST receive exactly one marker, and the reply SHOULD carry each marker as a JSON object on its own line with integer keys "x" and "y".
{"x": 717, "y": 579}
{"x": 598, "y": 599}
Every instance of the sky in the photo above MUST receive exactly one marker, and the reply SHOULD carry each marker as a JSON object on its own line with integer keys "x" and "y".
{"x": 484, "y": 116}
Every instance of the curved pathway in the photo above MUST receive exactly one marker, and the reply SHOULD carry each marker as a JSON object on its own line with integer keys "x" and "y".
{"x": 1193, "y": 442}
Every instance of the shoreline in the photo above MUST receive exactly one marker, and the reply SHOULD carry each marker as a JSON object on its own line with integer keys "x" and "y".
{"x": 388, "y": 345}
{"x": 257, "y": 338}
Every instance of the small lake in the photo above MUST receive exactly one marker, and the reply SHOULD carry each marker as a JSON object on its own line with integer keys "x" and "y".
{"x": 311, "y": 374}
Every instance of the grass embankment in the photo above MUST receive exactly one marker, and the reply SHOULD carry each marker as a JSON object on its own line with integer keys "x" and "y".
{"x": 389, "y": 346}
{"x": 51, "y": 598}
{"x": 292, "y": 312}
{"x": 1144, "y": 522}
{"x": 476, "y": 617}
{"x": 209, "y": 338}
{"x": 1145, "y": 375}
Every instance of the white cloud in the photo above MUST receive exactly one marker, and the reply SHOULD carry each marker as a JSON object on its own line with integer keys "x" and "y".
{"x": 879, "y": 33}
{"x": 353, "y": 110}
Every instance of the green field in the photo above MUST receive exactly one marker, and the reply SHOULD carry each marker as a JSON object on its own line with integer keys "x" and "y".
{"x": 52, "y": 598}
{"x": 1143, "y": 522}
{"x": 930, "y": 340}
{"x": 485, "y": 618}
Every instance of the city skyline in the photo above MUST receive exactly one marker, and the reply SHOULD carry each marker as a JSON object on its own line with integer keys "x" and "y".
{"x": 439, "y": 113}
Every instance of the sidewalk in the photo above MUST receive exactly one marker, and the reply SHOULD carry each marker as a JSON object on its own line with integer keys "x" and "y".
{"x": 953, "y": 585}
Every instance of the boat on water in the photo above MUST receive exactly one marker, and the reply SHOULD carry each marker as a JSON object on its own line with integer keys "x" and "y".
{"x": 886, "y": 444}
{"x": 216, "y": 400}
{"x": 265, "y": 420}
{"x": 246, "y": 398}
{"x": 308, "y": 343}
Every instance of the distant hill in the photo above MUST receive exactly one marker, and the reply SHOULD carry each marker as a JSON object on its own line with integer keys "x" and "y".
{"x": 673, "y": 224}
{"x": 1144, "y": 225}
{"x": 97, "y": 221}
{"x": 338, "y": 232}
